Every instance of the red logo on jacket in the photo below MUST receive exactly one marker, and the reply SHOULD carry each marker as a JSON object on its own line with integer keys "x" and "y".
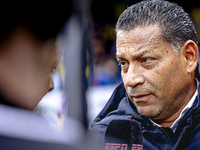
{"x": 118, "y": 146}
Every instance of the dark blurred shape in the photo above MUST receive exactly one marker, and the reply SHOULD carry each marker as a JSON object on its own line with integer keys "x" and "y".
{"x": 44, "y": 18}
{"x": 123, "y": 134}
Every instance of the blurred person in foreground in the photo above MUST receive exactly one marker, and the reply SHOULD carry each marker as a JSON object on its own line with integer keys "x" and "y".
{"x": 28, "y": 58}
{"x": 158, "y": 53}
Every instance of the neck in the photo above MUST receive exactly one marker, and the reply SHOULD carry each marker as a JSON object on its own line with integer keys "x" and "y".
{"x": 168, "y": 121}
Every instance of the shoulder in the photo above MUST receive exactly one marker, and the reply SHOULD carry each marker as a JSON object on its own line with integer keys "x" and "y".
{"x": 123, "y": 111}
{"x": 24, "y": 124}
{"x": 191, "y": 140}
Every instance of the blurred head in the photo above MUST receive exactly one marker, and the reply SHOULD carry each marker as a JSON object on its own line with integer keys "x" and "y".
{"x": 157, "y": 51}
{"x": 28, "y": 55}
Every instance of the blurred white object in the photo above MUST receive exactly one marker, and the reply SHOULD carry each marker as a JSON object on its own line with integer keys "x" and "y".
{"x": 97, "y": 97}
{"x": 25, "y": 124}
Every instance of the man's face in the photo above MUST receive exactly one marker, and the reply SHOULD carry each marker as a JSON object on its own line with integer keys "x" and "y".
{"x": 154, "y": 75}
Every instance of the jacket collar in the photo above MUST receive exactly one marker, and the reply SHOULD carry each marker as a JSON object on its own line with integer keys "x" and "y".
{"x": 196, "y": 106}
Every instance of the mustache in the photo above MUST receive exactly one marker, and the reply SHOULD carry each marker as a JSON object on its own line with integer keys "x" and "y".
{"x": 131, "y": 91}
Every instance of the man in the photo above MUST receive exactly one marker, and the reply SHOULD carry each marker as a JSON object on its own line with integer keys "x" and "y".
{"x": 158, "y": 53}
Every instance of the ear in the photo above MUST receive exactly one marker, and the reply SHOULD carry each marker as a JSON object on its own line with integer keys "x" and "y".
{"x": 191, "y": 54}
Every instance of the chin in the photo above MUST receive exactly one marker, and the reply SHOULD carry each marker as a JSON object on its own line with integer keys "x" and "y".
{"x": 150, "y": 113}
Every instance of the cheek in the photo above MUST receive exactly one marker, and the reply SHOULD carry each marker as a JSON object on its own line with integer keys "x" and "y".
{"x": 170, "y": 78}
{"x": 123, "y": 76}
{"x": 44, "y": 84}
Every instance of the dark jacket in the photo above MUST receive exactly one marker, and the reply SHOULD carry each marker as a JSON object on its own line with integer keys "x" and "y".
{"x": 187, "y": 135}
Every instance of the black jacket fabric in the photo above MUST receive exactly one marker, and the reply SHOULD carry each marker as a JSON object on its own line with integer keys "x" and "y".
{"x": 187, "y": 135}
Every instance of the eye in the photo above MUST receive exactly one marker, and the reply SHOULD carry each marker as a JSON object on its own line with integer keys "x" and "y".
{"x": 124, "y": 65}
{"x": 121, "y": 63}
{"x": 146, "y": 60}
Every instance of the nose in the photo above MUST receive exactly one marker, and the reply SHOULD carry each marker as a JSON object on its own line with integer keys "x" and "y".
{"x": 133, "y": 77}
{"x": 51, "y": 85}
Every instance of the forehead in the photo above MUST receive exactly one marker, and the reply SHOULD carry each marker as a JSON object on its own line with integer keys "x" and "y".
{"x": 139, "y": 38}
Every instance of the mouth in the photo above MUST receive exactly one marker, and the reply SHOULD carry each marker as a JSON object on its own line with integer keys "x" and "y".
{"x": 140, "y": 97}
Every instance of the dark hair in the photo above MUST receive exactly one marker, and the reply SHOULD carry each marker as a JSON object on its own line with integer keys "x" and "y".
{"x": 44, "y": 18}
{"x": 175, "y": 24}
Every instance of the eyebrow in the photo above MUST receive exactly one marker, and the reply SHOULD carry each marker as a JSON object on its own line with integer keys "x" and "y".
{"x": 118, "y": 56}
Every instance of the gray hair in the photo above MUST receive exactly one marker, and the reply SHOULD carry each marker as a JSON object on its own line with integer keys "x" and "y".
{"x": 175, "y": 24}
